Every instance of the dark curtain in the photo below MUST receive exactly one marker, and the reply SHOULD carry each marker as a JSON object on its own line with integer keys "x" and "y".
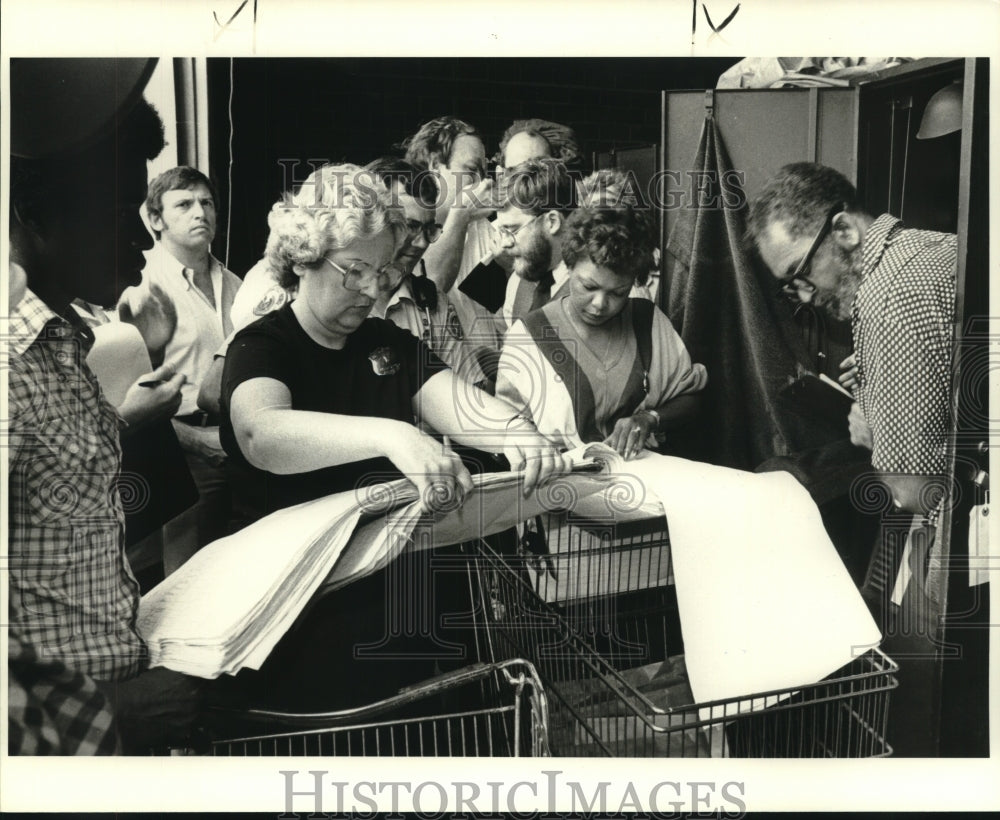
{"x": 721, "y": 300}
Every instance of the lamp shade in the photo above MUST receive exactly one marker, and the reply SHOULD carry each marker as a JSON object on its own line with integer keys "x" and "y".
{"x": 61, "y": 105}
{"x": 943, "y": 114}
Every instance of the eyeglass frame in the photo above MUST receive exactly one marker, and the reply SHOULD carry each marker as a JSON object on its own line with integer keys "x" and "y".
{"x": 512, "y": 234}
{"x": 379, "y": 274}
{"x": 799, "y": 280}
{"x": 424, "y": 228}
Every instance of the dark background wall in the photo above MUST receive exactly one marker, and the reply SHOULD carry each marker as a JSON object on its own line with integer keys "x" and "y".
{"x": 357, "y": 109}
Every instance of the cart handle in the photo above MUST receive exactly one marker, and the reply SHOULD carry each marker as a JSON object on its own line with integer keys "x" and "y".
{"x": 405, "y": 696}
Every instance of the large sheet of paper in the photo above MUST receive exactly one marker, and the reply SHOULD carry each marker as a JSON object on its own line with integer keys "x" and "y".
{"x": 495, "y": 503}
{"x": 118, "y": 358}
{"x": 765, "y": 600}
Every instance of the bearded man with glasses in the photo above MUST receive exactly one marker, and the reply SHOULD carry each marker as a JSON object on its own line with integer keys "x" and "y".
{"x": 536, "y": 198}
{"x": 897, "y": 287}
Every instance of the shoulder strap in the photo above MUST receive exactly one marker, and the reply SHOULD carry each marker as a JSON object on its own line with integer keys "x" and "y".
{"x": 636, "y": 390}
{"x": 425, "y": 292}
{"x": 563, "y": 362}
{"x": 642, "y": 317}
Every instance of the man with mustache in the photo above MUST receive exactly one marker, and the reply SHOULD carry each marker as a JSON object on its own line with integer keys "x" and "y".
{"x": 536, "y": 198}
{"x": 897, "y": 286}
{"x": 523, "y": 140}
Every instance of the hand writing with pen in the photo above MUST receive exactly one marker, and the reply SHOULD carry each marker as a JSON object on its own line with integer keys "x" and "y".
{"x": 153, "y": 396}
{"x": 629, "y": 436}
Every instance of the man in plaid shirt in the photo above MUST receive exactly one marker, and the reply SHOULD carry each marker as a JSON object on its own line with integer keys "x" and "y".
{"x": 54, "y": 710}
{"x": 76, "y": 233}
{"x": 897, "y": 287}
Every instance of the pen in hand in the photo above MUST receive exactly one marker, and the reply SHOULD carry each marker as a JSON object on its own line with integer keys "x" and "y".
{"x": 156, "y": 382}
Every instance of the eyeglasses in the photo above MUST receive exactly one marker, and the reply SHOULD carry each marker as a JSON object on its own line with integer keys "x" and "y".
{"x": 799, "y": 283}
{"x": 430, "y": 230}
{"x": 508, "y": 234}
{"x": 359, "y": 274}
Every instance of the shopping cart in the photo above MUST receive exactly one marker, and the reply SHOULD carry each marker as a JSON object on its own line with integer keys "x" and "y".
{"x": 610, "y": 702}
{"x": 610, "y": 580}
{"x": 484, "y": 710}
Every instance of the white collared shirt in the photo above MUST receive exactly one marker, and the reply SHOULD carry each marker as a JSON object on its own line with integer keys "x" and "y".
{"x": 201, "y": 327}
{"x": 440, "y": 329}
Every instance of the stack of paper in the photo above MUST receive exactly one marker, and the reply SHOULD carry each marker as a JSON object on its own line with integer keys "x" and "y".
{"x": 229, "y": 605}
{"x": 495, "y": 503}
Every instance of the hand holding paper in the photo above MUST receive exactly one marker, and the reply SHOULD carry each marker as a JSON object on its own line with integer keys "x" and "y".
{"x": 533, "y": 455}
{"x": 861, "y": 433}
{"x": 849, "y": 373}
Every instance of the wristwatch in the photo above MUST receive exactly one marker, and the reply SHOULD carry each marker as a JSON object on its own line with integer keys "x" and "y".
{"x": 656, "y": 424}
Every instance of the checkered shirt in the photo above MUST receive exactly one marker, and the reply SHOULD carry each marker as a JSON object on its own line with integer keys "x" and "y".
{"x": 903, "y": 320}
{"x": 53, "y": 710}
{"x": 72, "y": 594}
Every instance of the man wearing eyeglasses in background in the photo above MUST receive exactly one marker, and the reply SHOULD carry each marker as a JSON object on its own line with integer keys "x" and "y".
{"x": 414, "y": 302}
{"x": 536, "y": 198}
{"x": 453, "y": 151}
{"x": 523, "y": 140}
{"x": 897, "y": 286}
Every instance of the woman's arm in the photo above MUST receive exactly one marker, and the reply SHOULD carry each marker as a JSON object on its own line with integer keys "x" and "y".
{"x": 676, "y": 411}
{"x": 211, "y": 386}
{"x": 474, "y": 418}
{"x": 631, "y": 433}
{"x": 276, "y": 438}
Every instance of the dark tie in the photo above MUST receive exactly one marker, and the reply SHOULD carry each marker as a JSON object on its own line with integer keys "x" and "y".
{"x": 543, "y": 291}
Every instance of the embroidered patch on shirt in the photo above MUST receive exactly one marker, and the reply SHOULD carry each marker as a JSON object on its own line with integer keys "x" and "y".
{"x": 384, "y": 361}
{"x": 454, "y": 327}
{"x": 273, "y": 299}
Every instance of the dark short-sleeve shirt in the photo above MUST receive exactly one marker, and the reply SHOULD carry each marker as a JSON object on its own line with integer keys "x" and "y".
{"x": 377, "y": 373}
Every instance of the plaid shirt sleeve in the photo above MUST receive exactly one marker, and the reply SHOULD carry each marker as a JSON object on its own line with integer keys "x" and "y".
{"x": 53, "y": 710}
{"x": 903, "y": 335}
{"x": 73, "y": 597}
{"x": 909, "y": 414}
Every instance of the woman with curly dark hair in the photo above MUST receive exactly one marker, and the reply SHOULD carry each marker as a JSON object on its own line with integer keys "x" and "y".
{"x": 594, "y": 364}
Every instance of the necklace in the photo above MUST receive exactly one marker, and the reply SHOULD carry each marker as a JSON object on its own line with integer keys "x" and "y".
{"x": 587, "y": 334}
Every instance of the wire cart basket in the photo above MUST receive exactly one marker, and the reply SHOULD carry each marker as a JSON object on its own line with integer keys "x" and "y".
{"x": 610, "y": 581}
{"x": 484, "y": 710}
{"x": 606, "y": 653}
